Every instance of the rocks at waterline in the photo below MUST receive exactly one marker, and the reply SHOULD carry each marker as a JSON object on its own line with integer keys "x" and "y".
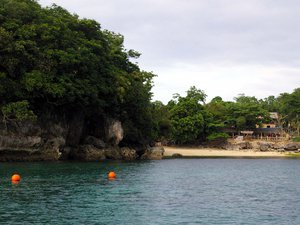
{"x": 98, "y": 143}
{"x": 153, "y": 153}
{"x": 292, "y": 147}
{"x": 176, "y": 156}
{"x": 262, "y": 146}
{"x": 53, "y": 141}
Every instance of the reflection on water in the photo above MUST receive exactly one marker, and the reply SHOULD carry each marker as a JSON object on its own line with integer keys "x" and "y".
{"x": 179, "y": 191}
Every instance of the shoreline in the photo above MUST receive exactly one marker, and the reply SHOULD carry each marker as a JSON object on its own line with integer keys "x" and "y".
{"x": 185, "y": 152}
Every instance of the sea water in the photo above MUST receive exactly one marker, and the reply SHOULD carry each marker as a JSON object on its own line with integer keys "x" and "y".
{"x": 175, "y": 191}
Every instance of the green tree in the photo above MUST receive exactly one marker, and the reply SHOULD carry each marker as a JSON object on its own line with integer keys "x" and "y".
{"x": 136, "y": 109}
{"x": 246, "y": 113}
{"x": 18, "y": 111}
{"x": 219, "y": 114}
{"x": 161, "y": 120}
{"x": 186, "y": 117}
{"x": 290, "y": 106}
{"x": 270, "y": 104}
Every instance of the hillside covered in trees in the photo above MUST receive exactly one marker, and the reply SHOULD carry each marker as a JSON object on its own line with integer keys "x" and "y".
{"x": 67, "y": 85}
{"x": 54, "y": 64}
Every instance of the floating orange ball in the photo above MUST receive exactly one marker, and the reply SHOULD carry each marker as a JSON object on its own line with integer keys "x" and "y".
{"x": 111, "y": 175}
{"x": 15, "y": 178}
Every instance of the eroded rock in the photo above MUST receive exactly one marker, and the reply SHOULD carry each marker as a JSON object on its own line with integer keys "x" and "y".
{"x": 88, "y": 153}
{"x": 292, "y": 146}
{"x": 18, "y": 141}
{"x": 128, "y": 153}
{"x": 113, "y": 153}
{"x": 98, "y": 143}
{"x": 265, "y": 146}
{"x": 153, "y": 153}
{"x": 114, "y": 132}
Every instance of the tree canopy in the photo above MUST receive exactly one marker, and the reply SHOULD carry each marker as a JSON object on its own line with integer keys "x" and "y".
{"x": 187, "y": 116}
{"x": 56, "y": 62}
{"x": 194, "y": 121}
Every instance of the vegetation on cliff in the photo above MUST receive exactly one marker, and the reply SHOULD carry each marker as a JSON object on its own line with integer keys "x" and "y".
{"x": 56, "y": 65}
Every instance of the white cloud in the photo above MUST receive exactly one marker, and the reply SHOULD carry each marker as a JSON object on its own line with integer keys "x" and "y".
{"x": 226, "y": 81}
{"x": 224, "y": 47}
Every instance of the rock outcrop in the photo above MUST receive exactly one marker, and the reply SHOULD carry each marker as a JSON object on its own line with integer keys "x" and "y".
{"x": 242, "y": 145}
{"x": 98, "y": 143}
{"x": 92, "y": 153}
{"x": 57, "y": 140}
{"x": 87, "y": 153}
{"x": 262, "y": 146}
{"x": 114, "y": 132}
{"x": 128, "y": 153}
{"x": 30, "y": 142}
{"x": 153, "y": 153}
{"x": 49, "y": 151}
{"x": 292, "y": 146}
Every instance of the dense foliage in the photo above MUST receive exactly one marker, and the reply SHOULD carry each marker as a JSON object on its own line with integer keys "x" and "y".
{"x": 289, "y": 106}
{"x": 187, "y": 116}
{"x": 194, "y": 121}
{"x": 53, "y": 62}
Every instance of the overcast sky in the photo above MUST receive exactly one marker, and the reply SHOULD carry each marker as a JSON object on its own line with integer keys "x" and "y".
{"x": 223, "y": 47}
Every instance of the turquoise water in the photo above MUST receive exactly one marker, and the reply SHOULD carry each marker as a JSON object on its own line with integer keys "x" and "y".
{"x": 175, "y": 191}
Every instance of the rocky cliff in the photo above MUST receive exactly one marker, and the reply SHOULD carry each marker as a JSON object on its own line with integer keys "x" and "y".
{"x": 76, "y": 139}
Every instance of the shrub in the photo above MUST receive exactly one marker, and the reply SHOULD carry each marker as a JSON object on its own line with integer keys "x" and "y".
{"x": 296, "y": 139}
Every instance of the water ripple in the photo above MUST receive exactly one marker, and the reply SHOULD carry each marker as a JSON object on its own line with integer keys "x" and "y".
{"x": 180, "y": 191}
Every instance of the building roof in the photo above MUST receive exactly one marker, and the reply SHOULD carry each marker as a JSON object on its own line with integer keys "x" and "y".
{"x": 274, "y": 115}
{"x": 275, "y": 130}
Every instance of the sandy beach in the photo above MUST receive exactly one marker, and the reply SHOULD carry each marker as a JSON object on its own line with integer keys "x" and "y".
{"x": 210, "y": 152}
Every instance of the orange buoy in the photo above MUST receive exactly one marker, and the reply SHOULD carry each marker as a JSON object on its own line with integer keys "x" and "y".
{"x": 15, "y": 178}
{"x": 111, "y": 175}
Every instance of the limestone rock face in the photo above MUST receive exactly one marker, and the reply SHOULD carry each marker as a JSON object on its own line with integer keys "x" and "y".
{"x": 74, "y": 128}
{"x": 92, "y": 153}
{"x": 265, "y": 146}
{"x": 239, "y": 145}
{"x": 245, "y": 145}
{"x": 114, "y": 132}
{"x": 113, "y": 153}
{"x": 292, "y": 146}
{"x": 56, "y": 138}
{"x": 53, "y": 147}
{"x": 18, "y": 141}
{"x": 128, "y": 154}
{"x": 98, "y": 143}
{"x": 88, "y": 153}
{"x": 278, "y": 146}
{"x": 18, "y": 148}
{"x": 31, "y": 141}
{"x": 14, "y": 155}
{"x": 153, "y": 153}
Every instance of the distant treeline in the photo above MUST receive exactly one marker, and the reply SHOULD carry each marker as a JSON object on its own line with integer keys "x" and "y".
{"x": 55, "y": 65}
{"x": 189, "y": 120}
